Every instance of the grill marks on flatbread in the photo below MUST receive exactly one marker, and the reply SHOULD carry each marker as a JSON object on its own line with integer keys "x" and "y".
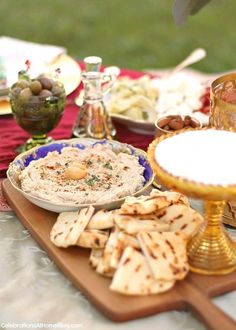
{"x": 133, "y": 225}
{"x": 82, "y": 228}
{"x": 143, "y": 204}
{"x": 102, "y": 219}
{"x": 103, "y": 266}
{"x": 68, "y": 227}
{"x": 95, "y": 256}
{"x": 181, "y": 218}
{"x": 93, "y": 239}
{"x": 166, "y": 254}
{"x": 133, "y": 276}
{"x": 154, "y": 202}
{"x": 172, "y": 196}
{"x": 123, "y": 240}
{"x": 142, "y": 245}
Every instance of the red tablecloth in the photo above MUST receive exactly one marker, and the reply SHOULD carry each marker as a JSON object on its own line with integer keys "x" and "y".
{"x": 12, "y": 136}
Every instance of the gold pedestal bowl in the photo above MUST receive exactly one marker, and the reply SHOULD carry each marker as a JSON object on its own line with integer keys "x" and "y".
{"x": 192, "y": 162}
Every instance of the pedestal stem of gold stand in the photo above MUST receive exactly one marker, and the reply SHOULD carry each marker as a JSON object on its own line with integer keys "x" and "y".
{"x": 211, "y": 251}
{"x": 213, "y": 214}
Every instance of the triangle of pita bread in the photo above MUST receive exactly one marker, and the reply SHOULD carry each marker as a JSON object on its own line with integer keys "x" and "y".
{"x": 133, "y": 226}
{"x": 181, "y": 218}
{"x": 95, "y": 256}
{"x": 143, "y": 204}
{"x": 92, "y": 239}
{"x": 133, "y": 276}
{"x": 172, "y": 196}
{"x": 69, "y": 226}
{"x": 166, "y": 254}
{"x": 102, "y": 219}
{"x": 123, "y": 240}
{"x": 104, "y": 267}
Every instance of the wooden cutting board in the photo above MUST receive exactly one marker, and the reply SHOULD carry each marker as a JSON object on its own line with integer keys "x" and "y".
{"x": 193, "y": 293}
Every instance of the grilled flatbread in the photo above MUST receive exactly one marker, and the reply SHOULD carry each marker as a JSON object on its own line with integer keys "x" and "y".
{"x": 181, "y": 218}
{"x": 104, "y": 267}
{"x": 68, "y": 227}
{"x": 150, "y": 216}
{"x": 123, "y": 240}
{"x": 133, "y": 276}
{"x": 92, "y": 238}
{"x": 149, "y": 204}
{"x": 95, "y": 256}
{"x": 166, "y": 254}
{"x": 102, "y": 219}
{"x": 132, "y": 226}
{"x": 143, "y": 204}
{"x": 172, "y": 196}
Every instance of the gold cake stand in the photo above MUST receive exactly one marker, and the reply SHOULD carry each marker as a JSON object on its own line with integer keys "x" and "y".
{"x": 211, "y": 251}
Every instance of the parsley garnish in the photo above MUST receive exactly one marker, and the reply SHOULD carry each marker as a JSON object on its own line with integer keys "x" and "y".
{"x": 91, "y": 181}
{"x": 108, "y": 165}
{"x": 89, "y": 162}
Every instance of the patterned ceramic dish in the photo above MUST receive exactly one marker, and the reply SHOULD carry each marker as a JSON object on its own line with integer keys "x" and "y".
{"x": 24, "y": 159}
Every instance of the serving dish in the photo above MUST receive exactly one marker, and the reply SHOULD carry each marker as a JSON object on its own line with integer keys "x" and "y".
{"x": 69, "y": 76}
{"x": 180, "y": 94}
{"x": 168, "y": 124}
{"x": 24, "y": 159}
{"x": 130, "y": 99}
{"x": 195, "y": 293}
{"x": 142, "y": 127}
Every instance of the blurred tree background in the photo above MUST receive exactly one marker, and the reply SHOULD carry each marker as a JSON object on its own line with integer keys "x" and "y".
{"x": 133, "y": 33}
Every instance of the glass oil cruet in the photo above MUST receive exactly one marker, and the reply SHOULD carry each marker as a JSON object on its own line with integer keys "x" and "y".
{"x": 93, "y": 120}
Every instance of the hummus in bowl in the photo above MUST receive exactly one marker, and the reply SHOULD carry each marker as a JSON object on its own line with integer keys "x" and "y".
{"x": 69, "y": 174}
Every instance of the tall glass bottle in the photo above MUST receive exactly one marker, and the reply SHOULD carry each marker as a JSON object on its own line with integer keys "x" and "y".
{"x": 93, "y": 120}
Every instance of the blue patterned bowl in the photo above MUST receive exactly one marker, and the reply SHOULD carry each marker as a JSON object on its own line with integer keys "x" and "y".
{"x": 24, "y": 159}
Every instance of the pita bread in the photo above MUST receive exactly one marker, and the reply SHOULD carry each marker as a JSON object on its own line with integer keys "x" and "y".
{"x": 181, "y": 218}
{"x": 133, "y": 276}
{"x": 152, "y": 203}
{"x": 69, "y": 227}
{"x": 95, "y": 256}
{"x": 166, "y": 254}
{"x": 150, "y": 216}
{"x": 172, "y": 196}
{"x": 104, "y": 267}
{"x": 133, "y": 226}
{"x": 92, "y": 238}
{"x": 102, "y": 219}
{"x": 143, "y": 204}
{"x": 123, "y": 240}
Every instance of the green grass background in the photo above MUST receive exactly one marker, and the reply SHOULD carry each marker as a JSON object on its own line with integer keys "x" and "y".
{"x": 130, "y": 33}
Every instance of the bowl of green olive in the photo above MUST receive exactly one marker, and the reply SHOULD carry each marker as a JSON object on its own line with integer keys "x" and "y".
{"x": 37, "y": 106}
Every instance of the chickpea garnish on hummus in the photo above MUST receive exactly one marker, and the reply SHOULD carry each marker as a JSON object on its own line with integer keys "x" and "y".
{"x": 76, "y": 172}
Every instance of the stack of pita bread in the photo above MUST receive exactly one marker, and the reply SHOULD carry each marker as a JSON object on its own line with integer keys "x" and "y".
{"x": 142, "y": 245}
